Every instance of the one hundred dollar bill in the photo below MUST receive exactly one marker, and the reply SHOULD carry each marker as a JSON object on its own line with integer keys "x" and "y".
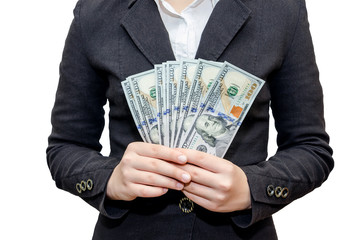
{"x": 188, "y": 69}
{"x": 205, "y": 74}
{"x": 144, "y": 88}
{"x": 166, "y": 106}
{"x": 136, "y": 114}
{"x": 173, "y": 74}
{"x": 225, "y": 106}
{"x": 160, "y": 102}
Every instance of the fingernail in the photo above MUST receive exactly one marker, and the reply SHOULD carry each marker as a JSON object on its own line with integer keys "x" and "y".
{"x": 164, "y": 190}
{"x": 182, "y": 158}
{"x": 179, "y": 186}
{"x": 186, "y": 177}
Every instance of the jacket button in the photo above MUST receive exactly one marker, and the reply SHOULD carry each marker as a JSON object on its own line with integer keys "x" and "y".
{"x": 270, "y": 190}
{"x": 186, "y": 205}
{"x": 78, "y": 187}
{"x": 89, "y": 184}
{"x": 278, "y": 192}
{"x": 83, "y": 185}
{"x": 285, "y": 192}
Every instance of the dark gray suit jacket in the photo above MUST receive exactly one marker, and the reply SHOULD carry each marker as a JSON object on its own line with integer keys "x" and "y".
{"x": 112, "y": 39}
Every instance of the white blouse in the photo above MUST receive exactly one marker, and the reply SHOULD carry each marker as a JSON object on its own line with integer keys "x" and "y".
{"x": 185, "y": 29}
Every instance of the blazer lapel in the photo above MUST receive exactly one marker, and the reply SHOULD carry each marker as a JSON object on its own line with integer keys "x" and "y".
{"x": 144, "y": 25}
{"x": 225, "y": 21}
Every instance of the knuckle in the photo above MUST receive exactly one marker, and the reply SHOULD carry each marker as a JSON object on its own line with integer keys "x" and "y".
{"x": 203, "y": 158}
{"x": 154, "y": 164}
{"x": 220, "y": 198}
{"x": 154, "y": 149}
{"x": 125, "y": 173}
{"x": 126, "y": 160}
{"x": 194, "y": 173}
{"x": 132, "y": 146}
{"x": 150, "y": 178}
{"x": 225, "y": 186}
{"x": 144, "y": 192}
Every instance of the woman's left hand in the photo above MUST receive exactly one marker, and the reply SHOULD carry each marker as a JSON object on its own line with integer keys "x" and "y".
{"x": 217, "y": 184}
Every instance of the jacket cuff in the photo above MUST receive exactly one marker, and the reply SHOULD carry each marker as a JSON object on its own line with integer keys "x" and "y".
{"x": 113, "y": 209}
{"x": 109, "y": 208}
{"x": 91, "y": 187}
{"x": 268, "y": 196}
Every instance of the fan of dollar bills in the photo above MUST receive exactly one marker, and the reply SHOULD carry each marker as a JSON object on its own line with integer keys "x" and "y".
{"x": 194, "y": 104}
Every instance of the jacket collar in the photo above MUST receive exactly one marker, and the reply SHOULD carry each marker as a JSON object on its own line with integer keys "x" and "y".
{"x": 224, "y": 23}
{"x": 144, "y": 25}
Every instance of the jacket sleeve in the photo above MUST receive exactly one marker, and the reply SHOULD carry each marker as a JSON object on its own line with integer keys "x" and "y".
{"x": 73, "y": 153}
{"x": 303, "y": 160}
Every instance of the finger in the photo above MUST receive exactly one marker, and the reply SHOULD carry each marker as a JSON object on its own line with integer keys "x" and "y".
{"x": 205, "y": 203}
{"x": 161, "y": 167}
{"x": 204, "y": 160}
{"x": 148, "y": 191}
{"x": 156, "y": 180}
{"x": 201, "y": 176}
{"x": 158, "y": 151}
{"x": 201, "y": 191}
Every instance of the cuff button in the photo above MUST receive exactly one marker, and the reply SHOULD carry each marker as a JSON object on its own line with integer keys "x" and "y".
{"x": 89, "y": 184}
{"x": 270, "y": 190}
{"x": 285, "y": 192}
{"x": 83, "y": 185}
{"x": 278, "y": 192}
{"x": 78, "y": 187}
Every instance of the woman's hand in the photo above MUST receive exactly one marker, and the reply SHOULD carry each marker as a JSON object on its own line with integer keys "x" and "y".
{"x": 217, "y": 184}
{"x": 147, "y": 170}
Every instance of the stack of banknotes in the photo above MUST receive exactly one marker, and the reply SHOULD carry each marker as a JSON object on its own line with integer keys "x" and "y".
{"x": 193, "y": 104}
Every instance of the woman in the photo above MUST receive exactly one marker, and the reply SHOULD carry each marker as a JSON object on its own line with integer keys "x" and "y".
{"x": 147, "y": 191}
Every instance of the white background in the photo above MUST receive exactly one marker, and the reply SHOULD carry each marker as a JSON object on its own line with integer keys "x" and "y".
{"x": 32, "y": 34}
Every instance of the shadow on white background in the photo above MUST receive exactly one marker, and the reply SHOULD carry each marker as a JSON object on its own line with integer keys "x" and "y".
{"x": 31, "y": 43}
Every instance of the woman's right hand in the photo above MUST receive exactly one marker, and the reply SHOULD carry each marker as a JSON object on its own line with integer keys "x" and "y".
{"x": 147, "y": 170}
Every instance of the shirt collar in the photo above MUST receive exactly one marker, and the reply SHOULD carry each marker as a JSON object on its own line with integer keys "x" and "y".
{"x": 167, "y": 8}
